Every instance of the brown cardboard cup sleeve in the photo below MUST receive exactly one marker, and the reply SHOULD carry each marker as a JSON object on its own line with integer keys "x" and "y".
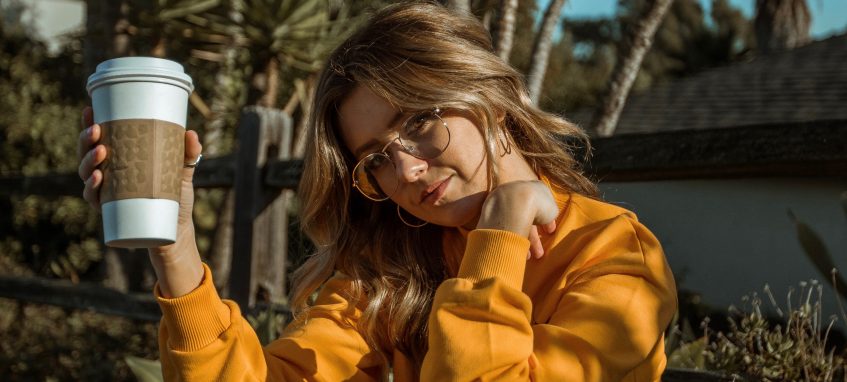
{"x": 143, "y": 159}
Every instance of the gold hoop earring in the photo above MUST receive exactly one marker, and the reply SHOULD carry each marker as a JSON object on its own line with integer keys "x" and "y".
{"x": 407, "y": 223}
{"x": 507, "y": 148}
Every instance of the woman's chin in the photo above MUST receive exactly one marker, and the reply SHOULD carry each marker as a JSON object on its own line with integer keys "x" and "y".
{"x": 463, "y": 212}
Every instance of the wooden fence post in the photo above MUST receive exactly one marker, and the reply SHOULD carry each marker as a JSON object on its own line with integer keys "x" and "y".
{"x": 261, "y": 221}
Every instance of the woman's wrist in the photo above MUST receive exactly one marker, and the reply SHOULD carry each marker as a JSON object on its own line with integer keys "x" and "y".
{"x": 179, "y": 269}
{"x": 507, "y": 212}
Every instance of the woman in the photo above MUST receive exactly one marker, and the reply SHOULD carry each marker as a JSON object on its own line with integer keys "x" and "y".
{"x": 456, "y": 237}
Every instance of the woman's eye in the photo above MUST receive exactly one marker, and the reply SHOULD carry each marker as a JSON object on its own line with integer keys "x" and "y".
{"x": 418, "y": 124}
{"x": 375, "y": 162}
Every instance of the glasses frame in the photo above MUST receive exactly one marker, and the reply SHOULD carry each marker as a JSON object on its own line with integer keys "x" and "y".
{"x": 436, "y": 111}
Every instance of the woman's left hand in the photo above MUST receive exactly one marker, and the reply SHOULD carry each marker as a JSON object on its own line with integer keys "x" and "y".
{"x": 527, "y": 208}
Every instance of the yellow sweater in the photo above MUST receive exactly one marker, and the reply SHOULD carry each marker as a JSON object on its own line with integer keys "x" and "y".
{"x": 594, "y": 308}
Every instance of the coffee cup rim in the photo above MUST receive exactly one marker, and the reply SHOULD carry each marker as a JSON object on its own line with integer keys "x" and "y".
{"x": 139, "y": 69}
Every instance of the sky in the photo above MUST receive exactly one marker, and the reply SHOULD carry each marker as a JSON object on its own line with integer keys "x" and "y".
{"x": 828, "y": 16}
{"x": 54, "y": 17}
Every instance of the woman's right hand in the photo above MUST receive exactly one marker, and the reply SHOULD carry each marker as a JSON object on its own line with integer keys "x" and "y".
{"x": 177, "y": 265}
{"x": 525, "y": 207}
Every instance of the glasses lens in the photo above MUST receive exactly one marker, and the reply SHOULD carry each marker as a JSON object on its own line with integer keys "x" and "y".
{"x": 425, "y": 135}
{"x": 374, "y": 176}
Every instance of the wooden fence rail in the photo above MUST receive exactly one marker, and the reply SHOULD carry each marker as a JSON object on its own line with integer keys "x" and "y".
{"x": 94, "y": 297}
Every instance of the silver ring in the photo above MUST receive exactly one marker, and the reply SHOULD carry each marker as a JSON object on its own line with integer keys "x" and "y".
{"x": 192, "y": 165}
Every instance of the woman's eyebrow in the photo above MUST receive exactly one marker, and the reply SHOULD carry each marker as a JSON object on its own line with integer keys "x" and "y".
{"x": 371, "y": 144}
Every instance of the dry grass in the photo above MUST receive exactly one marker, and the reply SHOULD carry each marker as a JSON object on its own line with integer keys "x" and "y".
{"x": 794, "y": 346}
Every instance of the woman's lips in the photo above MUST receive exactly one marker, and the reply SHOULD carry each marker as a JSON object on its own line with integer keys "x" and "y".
{"x": 436, "y": 194}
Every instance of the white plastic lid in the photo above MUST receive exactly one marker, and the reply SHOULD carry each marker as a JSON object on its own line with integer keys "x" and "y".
{"x": 144, "y": 69}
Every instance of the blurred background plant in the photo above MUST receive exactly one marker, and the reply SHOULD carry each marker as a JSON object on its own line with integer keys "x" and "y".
{"x": 816, "y": 250}
{"x": 793, "y": 345}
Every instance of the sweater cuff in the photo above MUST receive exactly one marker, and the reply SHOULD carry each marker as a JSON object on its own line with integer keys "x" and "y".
{"x": 196, "y": 319}
{"x": 495, "y": 253}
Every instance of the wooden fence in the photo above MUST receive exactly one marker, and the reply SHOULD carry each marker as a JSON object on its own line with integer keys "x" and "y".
{"x": 261, "y": 170}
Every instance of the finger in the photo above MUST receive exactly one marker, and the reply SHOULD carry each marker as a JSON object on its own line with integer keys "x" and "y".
{"x": 90, "y": 161}
{"x": 535, "y": 248}
{"x": 92, "y": 187}
{"x": 82, "y": 146}
{"x": 88, "y": 137}
{"x": 193, "y": 149}
{"x": 549, "y": 227}
{"x": 87, "y": 116}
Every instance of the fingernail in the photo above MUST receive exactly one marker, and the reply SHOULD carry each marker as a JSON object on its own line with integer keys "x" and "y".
{"x": 528, "y": 255}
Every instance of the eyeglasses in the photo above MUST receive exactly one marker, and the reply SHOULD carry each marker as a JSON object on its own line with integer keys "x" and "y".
{"x": 424, "y": 135}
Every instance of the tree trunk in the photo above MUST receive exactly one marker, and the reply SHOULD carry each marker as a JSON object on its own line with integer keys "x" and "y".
{"x": 107, "y": 32}
{"x": 122, "y": 40}
{"x": 112, "y": 268}
{"x": 271, "y": 84}
{"x": 626, "y": 69}
{"x": 220, "y": 254}
{"x": 541, "y": 50}
{"x": 227, "y": 92}
{"x": 781, "y": 25}
{"x": 264, "y": 83}
{"x": 505, "y": 33}
{"x": 460, "y": 6}
{"x": 307, "y": 89}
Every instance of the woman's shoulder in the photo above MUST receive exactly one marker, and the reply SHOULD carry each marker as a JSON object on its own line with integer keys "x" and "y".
{"x": 580, "y": 210}
{"x": 593, "y": 233}
{"x": 591, "y": 210}
{"x": 587, "y": 218}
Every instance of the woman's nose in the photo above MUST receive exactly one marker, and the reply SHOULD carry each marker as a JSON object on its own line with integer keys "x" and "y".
{"x": 408, "y": 166}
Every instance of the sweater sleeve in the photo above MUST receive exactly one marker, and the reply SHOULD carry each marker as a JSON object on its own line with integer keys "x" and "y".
{"x": 607, "y": 323}
{"x": 204, "y": 338}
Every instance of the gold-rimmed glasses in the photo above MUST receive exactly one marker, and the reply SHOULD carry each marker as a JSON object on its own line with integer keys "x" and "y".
{"x": 423, "y": 135}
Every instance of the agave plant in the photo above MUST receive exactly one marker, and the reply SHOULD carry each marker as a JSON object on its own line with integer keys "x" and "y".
{"x": 817, "y": 252}
{"x": 278, "y": 34}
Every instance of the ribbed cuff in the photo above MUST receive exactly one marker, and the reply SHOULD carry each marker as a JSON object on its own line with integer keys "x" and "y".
{"x": 495, "y": 253}
{"x": 195, "y": 319}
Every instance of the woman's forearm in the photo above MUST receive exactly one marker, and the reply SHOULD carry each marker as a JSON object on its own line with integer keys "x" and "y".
{"x": 178, "y": 269}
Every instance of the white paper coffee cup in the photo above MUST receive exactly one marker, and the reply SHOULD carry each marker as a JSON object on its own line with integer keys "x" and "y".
{"x": 141, "y": 105}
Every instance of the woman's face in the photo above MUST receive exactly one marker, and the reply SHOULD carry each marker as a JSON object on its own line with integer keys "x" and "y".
{"x": 365, "y": 117}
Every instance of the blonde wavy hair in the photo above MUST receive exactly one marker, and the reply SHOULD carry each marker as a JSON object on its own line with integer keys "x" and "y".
{"x": 415, "y": 55}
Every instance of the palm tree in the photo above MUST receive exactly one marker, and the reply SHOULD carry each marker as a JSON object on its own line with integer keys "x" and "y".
{"x": 541, "y": 49}
{"x": 781, "y": 24}
{"x": 505, "y": 32}
{"x": 639, "y": 41}
{"x": 107, "y": 32}
{"x": 460, "y": 6}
